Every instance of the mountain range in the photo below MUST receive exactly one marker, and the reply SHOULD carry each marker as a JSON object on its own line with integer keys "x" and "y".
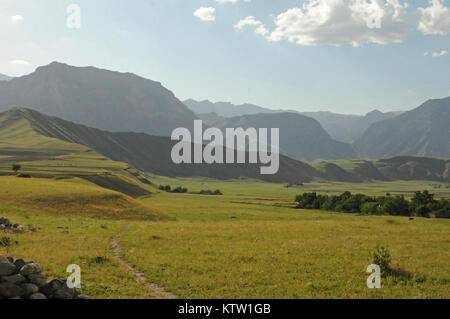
{"x": 28, "y": 135}
{"x": 301, "y": 137}
{"x": 104, "y": 99}
{"x": 341, "y": 127}
{"x": 124, "y": 102}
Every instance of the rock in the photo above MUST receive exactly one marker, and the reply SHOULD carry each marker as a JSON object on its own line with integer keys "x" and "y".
{"x": 38, "y": 279}
{"x": 65, "y": 232}
{"x": 30, "y": 269}
{"x": 20, "y": 263}
{"x": 64, "y": 293}
{"x": 14, "y": 279}
{"x": 29, "y": 289}
{"x": 31, "y": 228}
{"x": 82, "y": 297}
{"x": 11, "y": 260}
{"x": 9, "y": 290}
{"x": 53, "y": 286}
{"x": 37, "y": 296}
{"x": 5, "y": 222}
{"x": 7, "y": 269}
{"x": 15, "y": 298}
{"x": 18, "y": 229}
{"x": 3, "y": 259}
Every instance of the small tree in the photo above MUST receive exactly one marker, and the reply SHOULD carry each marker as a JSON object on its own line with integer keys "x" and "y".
{"x": 16, "y": 167}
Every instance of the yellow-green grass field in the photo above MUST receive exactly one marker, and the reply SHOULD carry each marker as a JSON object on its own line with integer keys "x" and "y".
{"x": 248, "y": 243}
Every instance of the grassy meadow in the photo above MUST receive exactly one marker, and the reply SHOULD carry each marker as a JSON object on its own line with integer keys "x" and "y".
{"x": 247, "y": 243}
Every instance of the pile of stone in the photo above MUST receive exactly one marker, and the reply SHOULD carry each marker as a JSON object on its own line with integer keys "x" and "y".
{"x": 24, "y": 280}
{"x": 6, "y": 225}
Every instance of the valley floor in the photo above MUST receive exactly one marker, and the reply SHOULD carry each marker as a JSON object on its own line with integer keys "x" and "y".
{"x": 247, "y": 243}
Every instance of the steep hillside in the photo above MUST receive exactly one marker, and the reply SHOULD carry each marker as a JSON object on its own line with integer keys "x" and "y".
{"x": 423, "y": 131}
{"x": 44, "y": 156}
{"x": 301, "y": 137}
{"x": 108, "y": 100}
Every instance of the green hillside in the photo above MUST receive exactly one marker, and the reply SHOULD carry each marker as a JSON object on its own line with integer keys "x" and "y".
{"x": 44, "y": 156}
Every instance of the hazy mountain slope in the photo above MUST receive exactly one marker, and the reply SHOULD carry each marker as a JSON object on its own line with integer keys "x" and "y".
{"x": 210, "y": 118}
{"x": 422, "y": 131}
{"x": 100, "y": 98}
{"x": 341, "y": 127}
{"x": 224, "y": 109}
{"x": 347, "y": 128}
{"x": 301, "y": 137}
{"x": 152, "y": 153}
{"x": 4, "y": 77}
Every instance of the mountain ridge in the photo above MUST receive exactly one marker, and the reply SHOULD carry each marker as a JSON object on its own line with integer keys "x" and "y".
{"x": 341, "y": 127}
{"x": 96, "y": 97}
{"x": 424, "y": 131}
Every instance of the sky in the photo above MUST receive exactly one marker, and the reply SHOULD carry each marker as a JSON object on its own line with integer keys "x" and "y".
{"x": 343, "y": 56}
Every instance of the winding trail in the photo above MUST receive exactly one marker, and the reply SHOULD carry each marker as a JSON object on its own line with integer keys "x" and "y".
{"x": 155, "y": 291}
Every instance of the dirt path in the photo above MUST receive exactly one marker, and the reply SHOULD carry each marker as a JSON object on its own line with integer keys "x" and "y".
{"x": 155, "y": 291}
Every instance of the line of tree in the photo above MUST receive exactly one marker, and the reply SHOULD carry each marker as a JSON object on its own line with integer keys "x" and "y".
{"x": 422, "y": 204}
{"x": 210, "y": 192}
{"x": 168, "y": 189}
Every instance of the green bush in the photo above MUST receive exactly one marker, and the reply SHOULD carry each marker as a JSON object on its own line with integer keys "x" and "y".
{"x": 381, "y": 256}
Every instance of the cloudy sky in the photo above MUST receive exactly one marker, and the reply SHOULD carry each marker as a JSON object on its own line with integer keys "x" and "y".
{"x": 346, "y": 56}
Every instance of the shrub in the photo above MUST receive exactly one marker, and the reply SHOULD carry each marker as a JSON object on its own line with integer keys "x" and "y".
{"x": 382, "y": 257}
{"x": 16, "y": 167}
{"x": 7, "y": 242}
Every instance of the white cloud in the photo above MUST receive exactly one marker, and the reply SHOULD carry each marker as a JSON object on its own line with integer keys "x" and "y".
{"x": 434, "y": 19}
{"x": 205, "y": 13}
{"x": 16, "y": 18}
{"x": 426, "y": 53}
{"x": 439, "y": 54}
{"x": 336, "y": 22}
{"x": 251, "y": 21}
{"x": 19, "y": 62}
{"x": 231, "y": 1}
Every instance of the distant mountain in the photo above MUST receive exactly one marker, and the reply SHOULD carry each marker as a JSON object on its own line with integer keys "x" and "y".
{"x": 301, "y": 137}
{"x": 341, "y": 127}
{"x": 347, "y": 128}
{"x": 4, "y": 77}
{"x": 108, "y": 100}
{"x": 423, "y": 131}
{"x": 224, "y": 109}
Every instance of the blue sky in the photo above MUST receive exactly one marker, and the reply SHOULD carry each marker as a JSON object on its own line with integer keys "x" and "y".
{"x": 294, "y": 62}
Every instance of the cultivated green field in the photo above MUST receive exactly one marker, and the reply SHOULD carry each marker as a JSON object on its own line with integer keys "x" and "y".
{"x": 248, "y": 243}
